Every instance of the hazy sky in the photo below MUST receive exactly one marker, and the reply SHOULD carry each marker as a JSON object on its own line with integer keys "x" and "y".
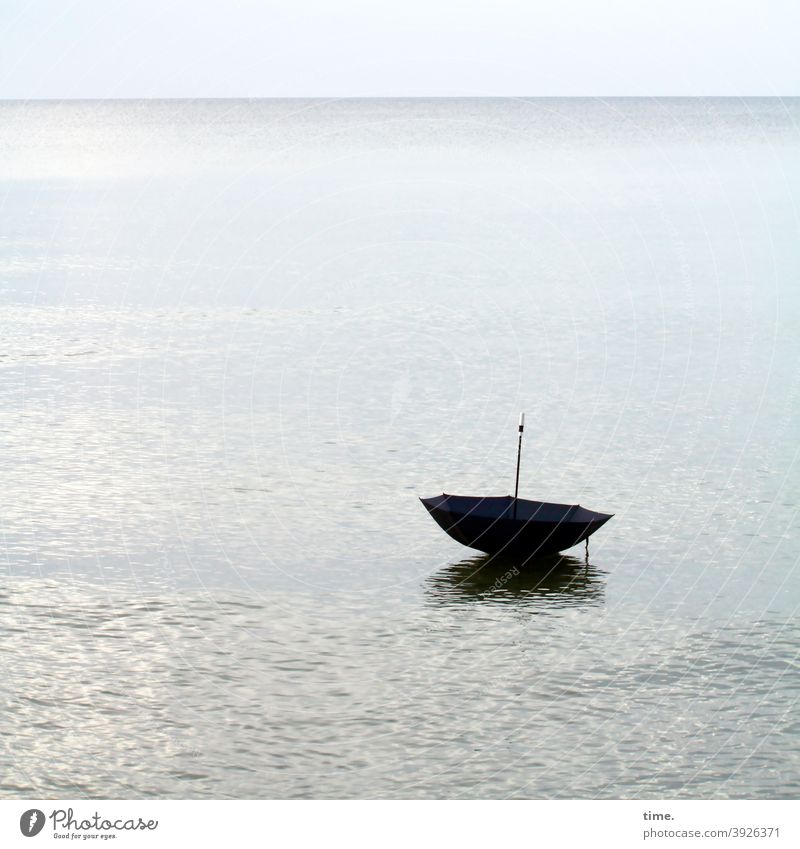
{"x": 196, "y": 48}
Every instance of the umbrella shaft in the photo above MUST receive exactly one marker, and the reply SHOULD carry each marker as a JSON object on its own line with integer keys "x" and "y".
{"x": 516, "y": 484}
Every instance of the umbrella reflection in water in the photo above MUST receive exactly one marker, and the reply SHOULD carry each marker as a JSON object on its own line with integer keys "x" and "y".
{"x": 552, "y": 582}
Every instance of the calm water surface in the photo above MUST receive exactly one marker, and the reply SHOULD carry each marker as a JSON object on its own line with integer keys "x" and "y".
{"x": 239, "y": 338}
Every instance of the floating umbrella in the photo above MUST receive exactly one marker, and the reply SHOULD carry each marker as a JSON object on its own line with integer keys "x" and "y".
{"x": 513, "y": 525}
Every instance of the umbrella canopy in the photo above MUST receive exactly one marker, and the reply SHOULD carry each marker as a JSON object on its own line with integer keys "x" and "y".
{"x": 513, "y": 525}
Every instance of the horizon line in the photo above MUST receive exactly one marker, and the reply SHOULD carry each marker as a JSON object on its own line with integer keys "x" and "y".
{"x": 324, "y": 97}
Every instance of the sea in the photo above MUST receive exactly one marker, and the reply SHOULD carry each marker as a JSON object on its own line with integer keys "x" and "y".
{"x": 241, "y": 338}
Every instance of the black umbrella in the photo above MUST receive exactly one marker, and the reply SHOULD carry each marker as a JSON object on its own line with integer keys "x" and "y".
{"x": 513, "y": 525}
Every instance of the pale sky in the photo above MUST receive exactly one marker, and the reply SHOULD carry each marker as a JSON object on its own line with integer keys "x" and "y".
{"x": 350, "y": 48}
